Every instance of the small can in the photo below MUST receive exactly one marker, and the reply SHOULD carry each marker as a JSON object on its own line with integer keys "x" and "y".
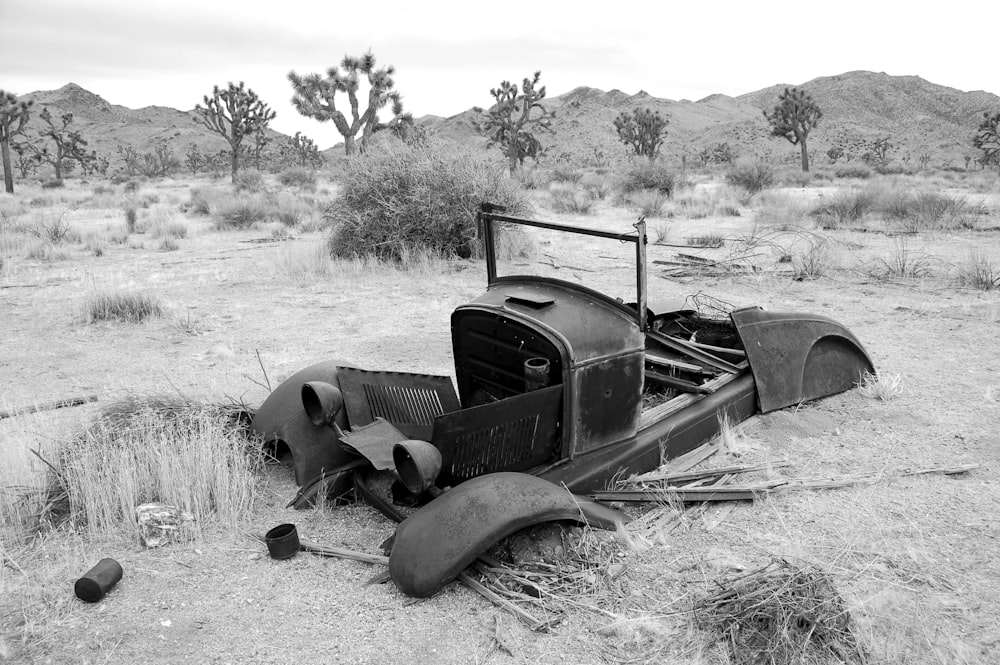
{"x": 98, "y": 580}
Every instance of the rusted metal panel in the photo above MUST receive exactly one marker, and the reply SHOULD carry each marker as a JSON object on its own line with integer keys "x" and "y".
{"x": 799, "y": 357}
{"x": 408, "y": 401}
{"x": 515, "y": 434}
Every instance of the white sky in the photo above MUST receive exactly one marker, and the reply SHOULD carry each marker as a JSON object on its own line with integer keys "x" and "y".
{"x": 449, "y": 54}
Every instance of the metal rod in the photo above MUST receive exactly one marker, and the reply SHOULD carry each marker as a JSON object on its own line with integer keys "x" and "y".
{"x": 640, "y": 269}
{"x": 623, "y": 237}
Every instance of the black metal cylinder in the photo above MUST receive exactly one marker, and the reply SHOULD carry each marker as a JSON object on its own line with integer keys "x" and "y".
{"x": 98, "y": 580}
{"x": 536, "y": 374}
{"x": 283, "y": 541}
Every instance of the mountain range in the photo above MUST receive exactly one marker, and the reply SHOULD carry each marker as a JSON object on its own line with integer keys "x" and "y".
{"x": 917, "y": 116}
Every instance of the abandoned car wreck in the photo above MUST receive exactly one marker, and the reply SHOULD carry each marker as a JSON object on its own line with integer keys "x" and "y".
{"x": 558, "y": 385}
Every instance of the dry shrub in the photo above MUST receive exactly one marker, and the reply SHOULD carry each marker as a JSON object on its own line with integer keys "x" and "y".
{"x": 249, "y": 180}
{"x": 240, "y": 212}
{"x": 192, "y": 455}
{"x": 123, "y": 305}
{"x": 781, "y": 614}
{"x": 815, "y": 260}
{"x": 880, "y": 386}
{"x": 298, "y": 176}
{"x": 901, "y": 262}
{"x": 843, "y": 208}
{"x": 979, "y": 272}
{"x": 644, "y": 175}
{"x": 567, "y": 198}
{"x": 648, "y": 202}
{"x": 396, "y": 199}
{"x": 752, "y": 175}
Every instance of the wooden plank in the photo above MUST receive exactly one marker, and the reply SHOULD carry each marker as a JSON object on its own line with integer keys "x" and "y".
{"x": 684, "y": 476}
{"x": 48, "y": 406}
{"x": 677, "y": 383}
{"x": 661, "y": 411}
{"x": 682, "y": 346}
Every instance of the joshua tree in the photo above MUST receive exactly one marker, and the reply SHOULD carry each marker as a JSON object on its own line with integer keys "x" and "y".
{"x": 13, "y": 116}
{"x": 643, "y": 130}
{"x": 509, "y": 122}
{"x": 315, "y": 97}
{"x": 987, "y": 139}
{"x": 303, "y": 150}
{"x": 70, "y": 147}
{"x": 234, "y": 113}
{"x": 794, "y": 116}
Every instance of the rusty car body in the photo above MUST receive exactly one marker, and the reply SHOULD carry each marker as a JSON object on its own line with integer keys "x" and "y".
{"x": 559, "y": 382}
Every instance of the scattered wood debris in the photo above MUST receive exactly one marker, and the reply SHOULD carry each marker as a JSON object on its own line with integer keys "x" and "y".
{"x": 781, "y": 614}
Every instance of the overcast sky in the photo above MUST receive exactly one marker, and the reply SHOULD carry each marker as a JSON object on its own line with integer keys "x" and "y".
{"x": 449, "y": 54}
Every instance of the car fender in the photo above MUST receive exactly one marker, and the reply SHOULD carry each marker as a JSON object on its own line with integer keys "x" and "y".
{"x": 282, "y": 417}
{"x": 798, "y": 357}
{"x": 435, "y": 544}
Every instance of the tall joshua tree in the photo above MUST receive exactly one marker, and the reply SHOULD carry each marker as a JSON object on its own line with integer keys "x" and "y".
{"x": 509, "y": 123}
{"x": 69, "y": 145}
{"x": 13, "y": 116}
{"x": 643, "y": 130}
{"x": 987, "y": 139}
{"x": 234, "y": 113}
{"x": 794, "y": 116}
{"x": 315, "y": 97}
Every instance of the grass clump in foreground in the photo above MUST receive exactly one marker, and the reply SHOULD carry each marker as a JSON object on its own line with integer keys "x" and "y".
{"x": 400, "y": 199}
{"x": 188, "y": 454}
{"x": 880, "y": 386}
{"x": 781, "y": 614}
{"x": 126, "y": 306}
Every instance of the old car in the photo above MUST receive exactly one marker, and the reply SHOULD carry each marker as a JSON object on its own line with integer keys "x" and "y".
{"x": 558, "y": 384}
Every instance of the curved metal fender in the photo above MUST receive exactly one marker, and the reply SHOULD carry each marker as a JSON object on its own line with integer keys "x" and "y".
{"x": 282, "y": 417}
{"x": 798, "y": 357}
{"x": 439, "y": 541}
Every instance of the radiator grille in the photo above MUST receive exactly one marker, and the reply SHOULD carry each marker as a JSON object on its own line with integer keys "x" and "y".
{"x": 408, "y": 401}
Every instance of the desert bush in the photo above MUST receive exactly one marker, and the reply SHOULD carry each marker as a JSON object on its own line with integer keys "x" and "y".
{"x": 649, "y": 202}
{"x": 752, "y": 175}
{"x": 922, "y": 211}
{"x": 568, "y": 198}
{"x": 204, "y": 200}
{"x": 123, "y": 305}
{"x": 169, "y": 245}
{"x": 901, "y": 262}
{"x": 131, "y": 218}
{"x": 158, "y": 449}
{"x": 782, "y": 210}
{"x": 44, "y": 250}
{"x": 600, "y": 186}
{"x": 303, "y": 262}
{"x": 843, "y": 208}
{"x": 979, "y": 272}
{"x": 163, "y": 223}
{"x": 643, "y": 175}
{"x": 248, "y": 180}
{"x": 533, "y": 177}
{"x": 562, "y": 172}
{"x": 814, "y": 261}
{"x": 132, "y": 186}
{"x": 397, "y": 199}
{"x": 240, "y": 212}
{"x": 55, "y": 183}
{"x": 796, "y": 178}
{"x": 53, "y": 228}
{"x": 291, "y": 210}
{"x": 857, "y": 171}
{"x": 298, "y": 176}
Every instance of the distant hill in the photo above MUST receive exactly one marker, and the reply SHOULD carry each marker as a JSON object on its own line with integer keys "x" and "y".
{"x": 915, "y": 115}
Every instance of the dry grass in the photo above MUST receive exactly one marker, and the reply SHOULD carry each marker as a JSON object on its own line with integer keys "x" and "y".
{"x": 122, "y": 305}
{"x": 156, "y": 449}
{"x": 781, "y": 614}
{"x": 881, "y": 386}
{"x": 979, "y": 271}
{"x": 569, "y": 198}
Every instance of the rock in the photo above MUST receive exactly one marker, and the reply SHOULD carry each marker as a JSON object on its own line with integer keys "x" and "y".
{"x": 161, "y": 524}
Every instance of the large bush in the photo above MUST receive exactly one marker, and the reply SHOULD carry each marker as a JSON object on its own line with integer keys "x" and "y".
{"x": 397, "y": 199}
{"x": 644, "y": 175}
{"x": 752, "y": 175}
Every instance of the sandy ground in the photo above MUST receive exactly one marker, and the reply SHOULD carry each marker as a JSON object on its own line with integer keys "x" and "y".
{"x": 914, "y": 557}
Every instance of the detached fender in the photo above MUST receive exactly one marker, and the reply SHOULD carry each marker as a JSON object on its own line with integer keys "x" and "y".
{"x": 282, "y": 417}
{"x": 434, "y": 545}
{"x": 798, "y": 357}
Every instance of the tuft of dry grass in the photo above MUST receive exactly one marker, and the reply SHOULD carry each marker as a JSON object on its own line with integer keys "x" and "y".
{"x": 569, "y": 199}
{"x": 979, "y": 272}
{"x": 781, "y": 614}
{"x": 123, "y": 305}
{"x": 709, "y": 240}
{"x": 189, "y": 454}
{"x": 880, "y": 386}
